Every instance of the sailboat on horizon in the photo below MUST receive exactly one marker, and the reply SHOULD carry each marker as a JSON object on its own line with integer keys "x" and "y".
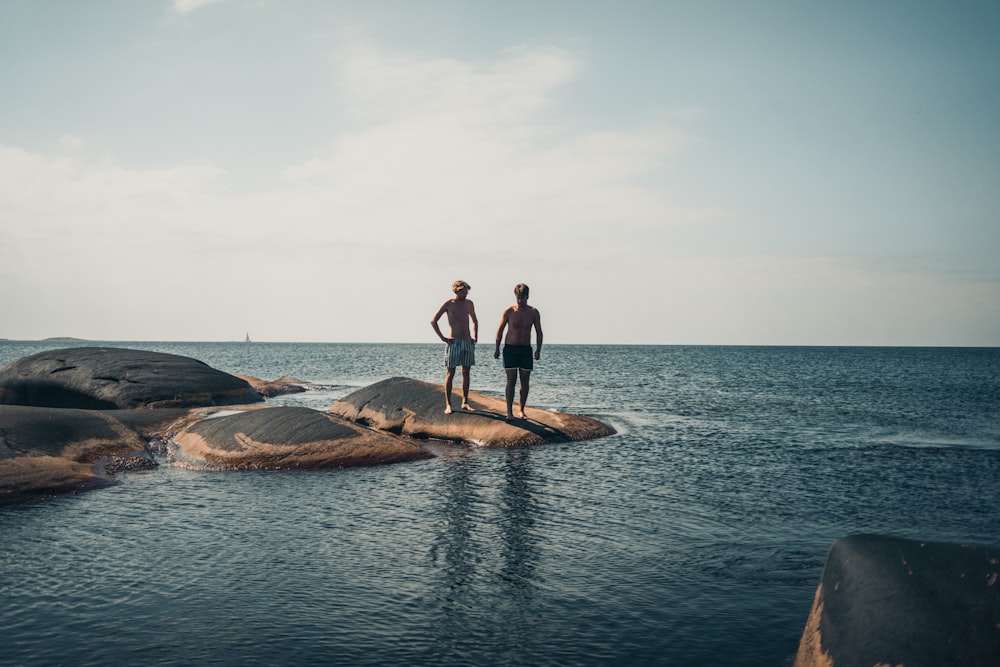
{"x": 248, "y": 338}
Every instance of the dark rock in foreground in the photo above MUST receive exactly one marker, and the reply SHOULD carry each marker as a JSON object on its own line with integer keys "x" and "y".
{"x": 48, "y": 451}
{"x": 105, "y": 378}
{"x": 889, "y": 601}
{"x": 416, "y": 409}
{"x": 288, "y": 437}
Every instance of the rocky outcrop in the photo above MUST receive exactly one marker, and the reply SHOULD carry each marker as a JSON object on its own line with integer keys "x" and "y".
{"x": 279, "y": 387}
{"x": 103, "y": 378}
{"x": 70, "y": 419}
{"x": 416, "y": 409}
{"x": 890, "y": 601}
{"x": 48, "y": 451}
{"x": 287, "y": 437}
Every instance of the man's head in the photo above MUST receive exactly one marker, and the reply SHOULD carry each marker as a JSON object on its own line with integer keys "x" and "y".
{"x": 459, "y": 285}
{"x": 521, "y": 291}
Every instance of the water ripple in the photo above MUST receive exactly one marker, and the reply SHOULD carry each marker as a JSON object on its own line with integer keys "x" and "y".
{"x": 732, "y": 472}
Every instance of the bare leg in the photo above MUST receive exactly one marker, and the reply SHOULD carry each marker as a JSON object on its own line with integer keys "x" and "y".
{"x": 449, "y": 378}
{"x": 511, "y": 381}
{"x": 525, "y": 377}
{"x": 466, "y": 372}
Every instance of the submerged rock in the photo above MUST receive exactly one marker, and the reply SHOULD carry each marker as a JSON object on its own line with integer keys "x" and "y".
{"x": 890, "y": 601}
{"x": 48, "y": 451}
{"x": 416, "y": 409}
{"x": 288, "y": 437}
{"x": 104, "y": 378}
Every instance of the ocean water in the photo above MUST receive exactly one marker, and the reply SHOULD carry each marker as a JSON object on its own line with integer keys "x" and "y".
{"x": 695, "y": 536}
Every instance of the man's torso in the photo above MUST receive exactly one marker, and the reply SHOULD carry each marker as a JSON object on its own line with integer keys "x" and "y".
{"x": 458, "y": 318}
{"x": 519, "y": 321}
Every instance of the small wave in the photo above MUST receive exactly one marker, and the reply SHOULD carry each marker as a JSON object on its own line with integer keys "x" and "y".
{"x": 928, "y": 442}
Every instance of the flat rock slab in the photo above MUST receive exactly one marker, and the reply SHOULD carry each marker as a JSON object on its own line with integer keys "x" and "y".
{"x": 106, "y": 378}
{"x": 416, "y": 409}
{"x": 287, "y": 437}
{"x": 889, "y": 601}
{"x": 47, "y": 451}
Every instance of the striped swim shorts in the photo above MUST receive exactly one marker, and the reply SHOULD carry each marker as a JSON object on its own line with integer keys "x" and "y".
{"x": 460, "y": 352}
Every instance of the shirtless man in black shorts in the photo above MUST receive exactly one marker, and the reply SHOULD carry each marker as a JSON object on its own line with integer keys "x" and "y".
{"x": 461, "y": 345}
{"x": 518, "y": 320}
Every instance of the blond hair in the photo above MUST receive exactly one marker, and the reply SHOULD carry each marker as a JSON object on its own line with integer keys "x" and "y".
{"x": 459, "y": 285}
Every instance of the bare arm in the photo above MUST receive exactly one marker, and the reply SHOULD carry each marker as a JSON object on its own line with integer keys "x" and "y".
{"x": 475, "y": 322}
{"x": 434, "y": 322}
{"x": 503, "y": 325}
{"x": 538, "y": 334}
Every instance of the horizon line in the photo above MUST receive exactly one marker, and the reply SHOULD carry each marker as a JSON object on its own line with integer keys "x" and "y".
{"x": 57, "y": 339}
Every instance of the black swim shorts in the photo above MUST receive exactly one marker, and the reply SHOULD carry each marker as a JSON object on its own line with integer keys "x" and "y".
{"x": 518, "y": 356}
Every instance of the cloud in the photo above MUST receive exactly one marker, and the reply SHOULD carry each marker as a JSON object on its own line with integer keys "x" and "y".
{"x": 442, "y": 147}
{"x": 501, "y": 94}
{"x": 448, "y": 166}
{"x": 446, "y": 169}
{"x": 71, "y": 142}
{"x": 184, "y": 7}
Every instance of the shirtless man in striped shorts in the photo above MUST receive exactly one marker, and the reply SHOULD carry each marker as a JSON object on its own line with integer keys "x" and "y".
{"x": 461, "y": 345}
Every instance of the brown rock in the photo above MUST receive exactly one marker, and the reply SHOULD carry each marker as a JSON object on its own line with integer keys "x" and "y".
{"x": 49, "y": 451}
{"x": 288, "y": 437}
{"x": 416, "y": 409}
{"x": 279, "y": 387}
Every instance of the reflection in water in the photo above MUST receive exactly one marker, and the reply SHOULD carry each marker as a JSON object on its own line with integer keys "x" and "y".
{"x": 519, "y": 546}
{"x": 486, "y": 554}
{"x": 452, "y": 555}
{"x": 457, "y": 537}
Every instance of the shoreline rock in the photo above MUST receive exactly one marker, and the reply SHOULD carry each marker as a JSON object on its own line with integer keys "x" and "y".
{"x": 72, "y": 419}
{"x": 278, "y": 387}
{"x": 287, "y": 438}
{"x": 46, "y": 452}
{"x": 885, "y": 600}
{"x": 106, "y": 378}
{"x": 416, "y": 409}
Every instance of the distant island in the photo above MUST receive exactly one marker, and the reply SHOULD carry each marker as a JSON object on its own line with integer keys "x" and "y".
{"x": 60, "y": 338}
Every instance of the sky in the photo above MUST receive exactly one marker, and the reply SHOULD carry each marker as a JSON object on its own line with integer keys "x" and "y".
{"x": 706, "y": 172}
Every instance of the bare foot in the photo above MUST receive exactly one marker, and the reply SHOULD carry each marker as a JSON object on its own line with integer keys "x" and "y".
{"x": 447, "y": 410}
{"x": 466, "y": 406}
{"x": 509, "y": 417}
{"x": 521, "y": 415}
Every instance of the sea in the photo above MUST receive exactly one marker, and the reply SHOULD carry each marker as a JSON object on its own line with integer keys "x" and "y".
{"x": 694, "y": 536}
